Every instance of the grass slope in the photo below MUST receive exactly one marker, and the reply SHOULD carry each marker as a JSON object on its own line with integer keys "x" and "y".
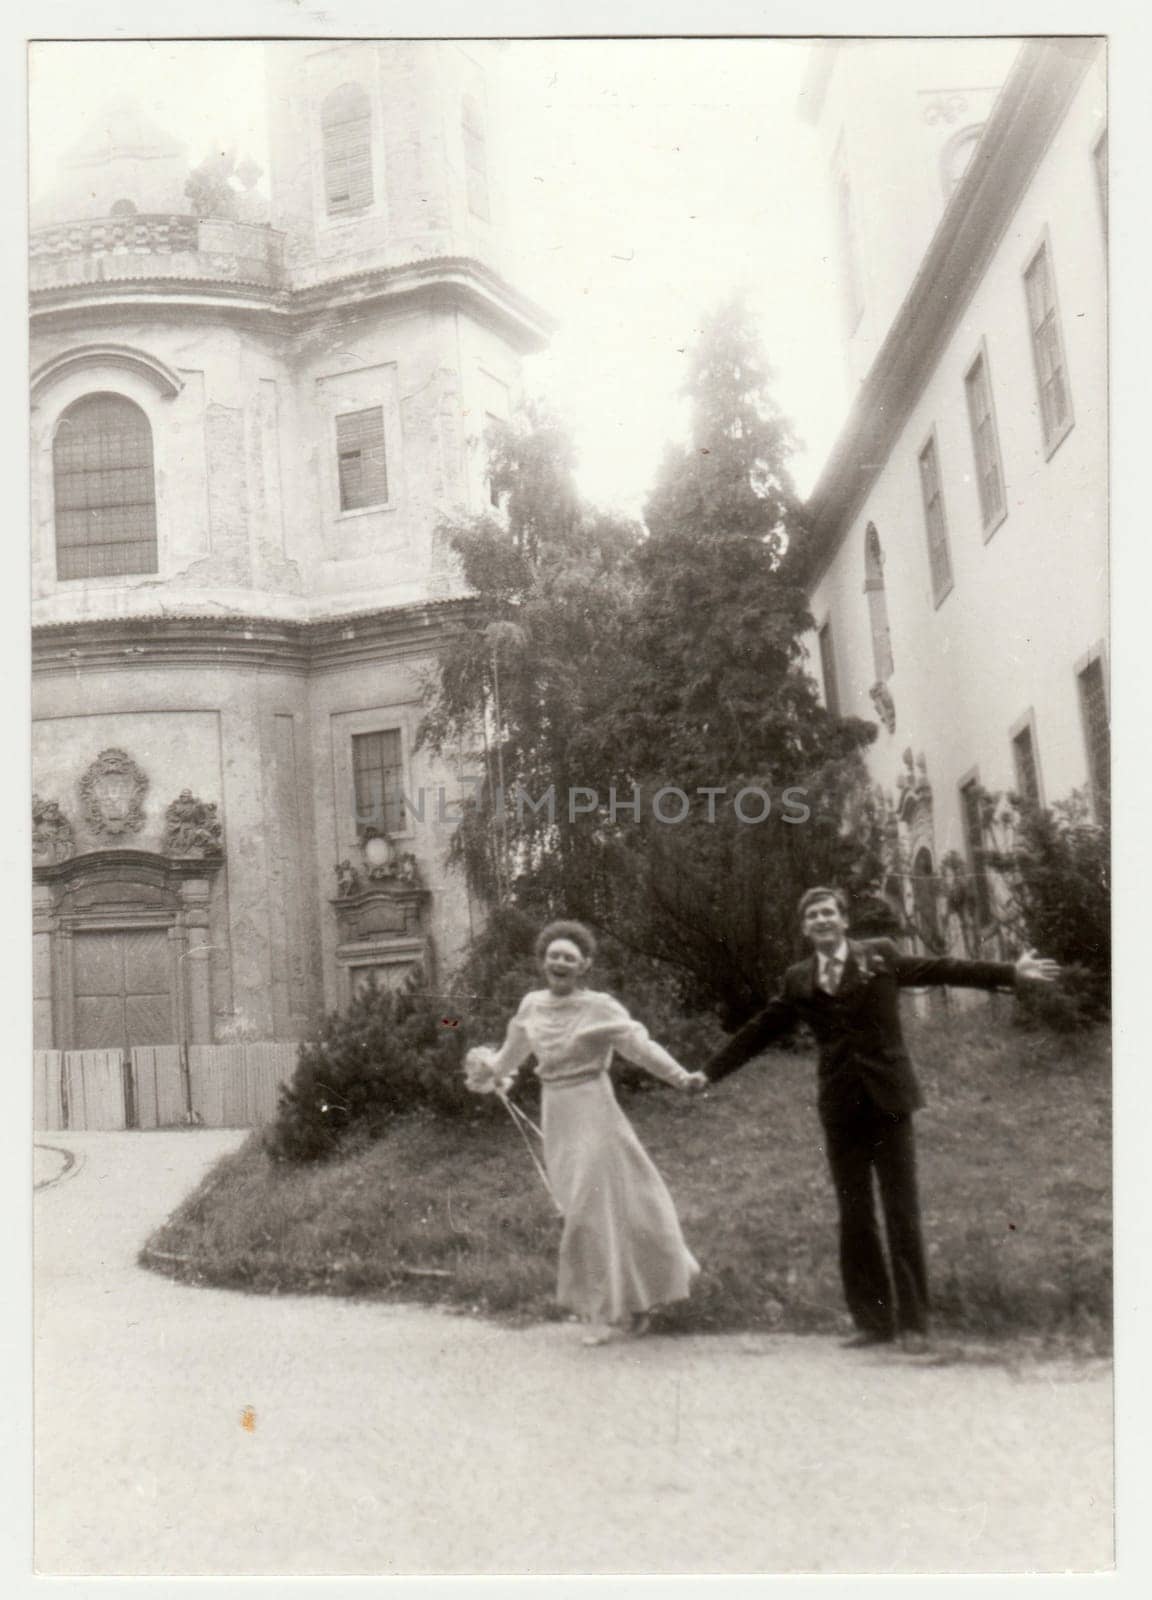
{"x": 1015, "y": 1174}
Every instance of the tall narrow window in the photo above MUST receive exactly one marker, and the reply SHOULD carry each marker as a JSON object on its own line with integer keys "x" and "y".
{"x": 985, "y": 445}
{"x": 877, "y": 604}
{"x": 361, "y": 460}
{"x": 956, "y": 155}
{"x": 346, "y": 119}
{"x": 1027, "y": 772}
{"x": 475, "y": 158}
{"x": 104, "y": 489}
{"x": 378, "y": 777}
{"x": 828, "y": 669}
{"x": 1048, "y": 350}
{"x": 1097, "y": 738}
{"x": 972, "y": 810}
{"x": 1100, "y": 163}
{"x": 851, "y": 285}
{"x": 936, "y": 525}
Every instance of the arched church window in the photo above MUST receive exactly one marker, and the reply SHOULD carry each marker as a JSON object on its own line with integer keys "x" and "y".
{"x": 877, "y": 604}
{"x": 346, "y": 121}
{"x": 475, "y": 157}
{"x": 956, "y": 155}
{"x": 105, "y": 490}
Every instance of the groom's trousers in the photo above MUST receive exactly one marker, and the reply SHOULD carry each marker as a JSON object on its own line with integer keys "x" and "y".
{"x": 861, "y": 1142}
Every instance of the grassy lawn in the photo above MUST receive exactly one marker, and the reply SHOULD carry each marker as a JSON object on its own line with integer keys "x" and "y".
{"x": 1015, "y": 1175}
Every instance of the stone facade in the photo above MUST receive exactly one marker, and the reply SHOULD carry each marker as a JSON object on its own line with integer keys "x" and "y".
{"x": 280, "y": 621}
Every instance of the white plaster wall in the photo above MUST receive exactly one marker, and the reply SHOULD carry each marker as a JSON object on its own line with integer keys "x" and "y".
{"x": 875, "y": 119}
{"x": 1031, "y": 601}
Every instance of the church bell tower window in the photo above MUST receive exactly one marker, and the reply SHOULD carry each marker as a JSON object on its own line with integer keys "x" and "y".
{"x": 346, "y": 119}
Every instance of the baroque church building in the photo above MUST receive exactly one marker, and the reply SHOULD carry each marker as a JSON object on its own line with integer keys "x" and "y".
{"x": 958, "y": 566}
{"x": 247, "y": 424}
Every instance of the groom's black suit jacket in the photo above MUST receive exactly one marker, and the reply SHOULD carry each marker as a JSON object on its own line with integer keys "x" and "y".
{"x": 857, "y": 1029}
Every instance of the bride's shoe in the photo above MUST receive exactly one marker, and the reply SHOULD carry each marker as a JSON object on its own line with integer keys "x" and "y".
{"x": 608, "y": 1333}
{"x": 614, "y": 1332}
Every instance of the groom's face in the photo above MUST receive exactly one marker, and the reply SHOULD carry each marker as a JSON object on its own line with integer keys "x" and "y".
{"x": 824, "y": 924}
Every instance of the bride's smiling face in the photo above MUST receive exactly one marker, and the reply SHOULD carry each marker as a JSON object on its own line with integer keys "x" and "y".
{"x": 564, "y": 966}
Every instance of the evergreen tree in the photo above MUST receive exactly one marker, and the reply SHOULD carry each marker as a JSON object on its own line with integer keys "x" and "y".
{"x": 598, "y": 660}
{"x": 719, "y": 623}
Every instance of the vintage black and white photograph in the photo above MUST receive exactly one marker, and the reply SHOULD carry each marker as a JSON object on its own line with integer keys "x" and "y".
{"x": 570, "y": 825}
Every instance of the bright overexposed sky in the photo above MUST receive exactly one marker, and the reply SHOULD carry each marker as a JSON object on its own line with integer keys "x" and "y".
{"x": 644, "y": 179}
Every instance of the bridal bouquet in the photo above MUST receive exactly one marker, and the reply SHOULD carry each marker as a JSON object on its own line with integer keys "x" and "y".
{"x": 480, "y": 1072}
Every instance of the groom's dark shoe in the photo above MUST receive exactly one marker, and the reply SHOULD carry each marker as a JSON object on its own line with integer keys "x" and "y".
{"x": 864, "y": 1339}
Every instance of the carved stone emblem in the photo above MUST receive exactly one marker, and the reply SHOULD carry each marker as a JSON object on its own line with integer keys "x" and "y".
{"x": 885, "y": 705}
{"x": 192, "y": 827}
{"x": 947, "y": 108}
{"x": 52, "y": 838}
{"x": 112, "y": 791}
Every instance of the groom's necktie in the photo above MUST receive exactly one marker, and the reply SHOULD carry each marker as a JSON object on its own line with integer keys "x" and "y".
{"x": 832, "y": 974}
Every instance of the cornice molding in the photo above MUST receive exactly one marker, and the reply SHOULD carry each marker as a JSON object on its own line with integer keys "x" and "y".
{"x": 1030, "y": 108}
{"x": 453, "y": 280}
{"x": 245, "y": 643}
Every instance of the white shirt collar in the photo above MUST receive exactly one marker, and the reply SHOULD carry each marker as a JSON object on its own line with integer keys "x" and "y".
{"x": 840, "y": 954}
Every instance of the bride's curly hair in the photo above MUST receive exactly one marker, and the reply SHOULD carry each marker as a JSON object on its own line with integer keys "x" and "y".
{"x": 583, "y": 938}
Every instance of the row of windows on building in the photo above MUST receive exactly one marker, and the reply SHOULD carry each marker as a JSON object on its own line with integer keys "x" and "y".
{"x": 1090, "y": 684}
{"x": 104, "y": 483}
{"x": 1055, "y": 412}
{"x": 346, "y": 131}
{"x": 1055, "y": 408}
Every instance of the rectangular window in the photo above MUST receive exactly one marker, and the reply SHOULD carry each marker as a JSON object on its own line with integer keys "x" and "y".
{"x": 475, "y": 160}
{"x": 360, "y": 456}
{"x": 828, "y": 669}
{"x": 1097, "y": 738}
{"x": 939, "y": 555}
{"x": 985, "y": 445}
{"x": 853, "y": 296}
{"x": 1047, "y": 350}
{"x": 348, "y": 166}
{"x": 1024, "y": 760}
{"x": 971, "y": 807}
{"x": 378, "y": 779}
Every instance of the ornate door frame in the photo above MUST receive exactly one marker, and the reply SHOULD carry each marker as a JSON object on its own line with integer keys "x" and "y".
{"x": 118, "y": 891}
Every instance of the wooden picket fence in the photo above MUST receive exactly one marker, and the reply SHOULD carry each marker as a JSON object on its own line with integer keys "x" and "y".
{"x": 220, "y": 1086}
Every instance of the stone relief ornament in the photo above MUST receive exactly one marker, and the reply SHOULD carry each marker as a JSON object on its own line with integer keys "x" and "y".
{"x": 192, "y": 827}
{"x": 882, "y": 699}
{"x": 947, "y": 108}
{"x": 347, "y": 878}
{"x": 52, "y": 837}
{"x": 112, "y": 791}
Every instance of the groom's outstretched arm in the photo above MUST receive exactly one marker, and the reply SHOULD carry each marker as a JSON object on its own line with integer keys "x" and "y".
{"x": 778, "y": 1018}
{"x": 920, "y": 971}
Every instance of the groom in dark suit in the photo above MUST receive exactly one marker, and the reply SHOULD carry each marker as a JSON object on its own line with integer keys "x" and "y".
{"x": 848, "y": 992}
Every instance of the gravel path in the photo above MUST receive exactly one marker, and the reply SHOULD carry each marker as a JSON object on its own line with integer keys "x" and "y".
{"x": 200, "y": 1432}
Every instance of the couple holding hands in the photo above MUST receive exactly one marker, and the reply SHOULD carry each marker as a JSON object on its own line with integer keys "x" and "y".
{"x": 622, "y": 1253}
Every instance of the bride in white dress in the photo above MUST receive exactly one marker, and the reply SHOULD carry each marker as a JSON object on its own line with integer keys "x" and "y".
{"x": 621, "y": 1252}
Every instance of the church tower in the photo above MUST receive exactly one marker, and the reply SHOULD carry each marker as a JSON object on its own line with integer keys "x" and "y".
{"x": 385, "y": 190}
{"x": 245, "y": 434}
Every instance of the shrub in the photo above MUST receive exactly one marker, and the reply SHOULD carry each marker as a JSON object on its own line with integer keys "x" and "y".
{"x": 1057, "y": 869}
{"x": 388, "y": 1054}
